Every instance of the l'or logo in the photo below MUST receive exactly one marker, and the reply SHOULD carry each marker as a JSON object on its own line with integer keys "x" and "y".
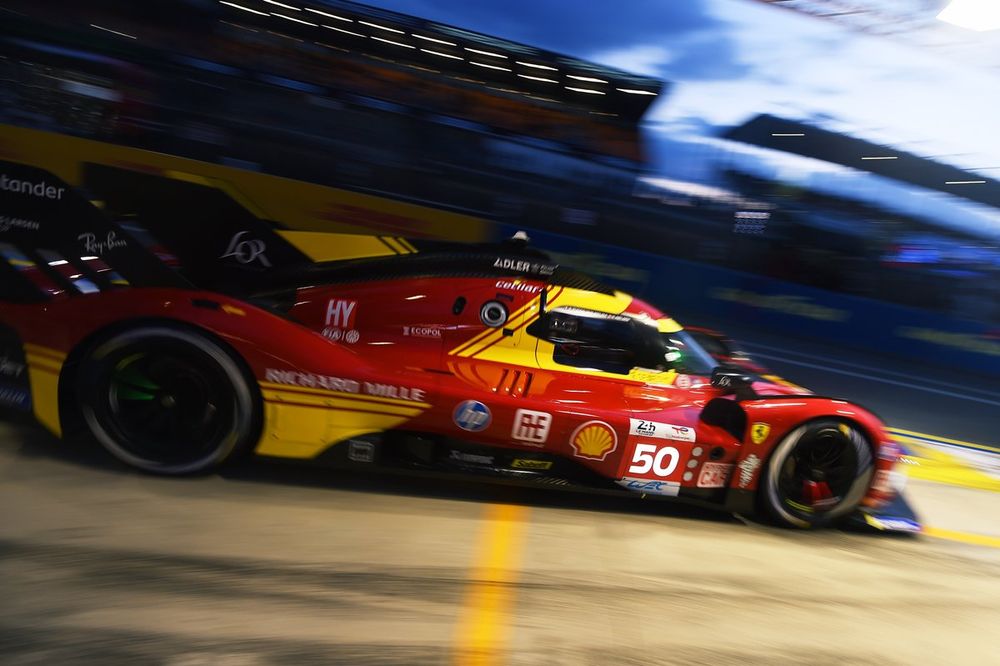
{"x": 247, "y": 251}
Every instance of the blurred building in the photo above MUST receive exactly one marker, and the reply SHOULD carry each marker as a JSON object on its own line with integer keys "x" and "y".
{"x": 346, "y": 95}
{"x": 336, "y": 93}
{"x": 930, "y": 224}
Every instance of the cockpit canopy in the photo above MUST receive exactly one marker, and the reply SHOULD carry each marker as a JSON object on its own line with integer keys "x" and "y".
{"x": 620, "y": 342}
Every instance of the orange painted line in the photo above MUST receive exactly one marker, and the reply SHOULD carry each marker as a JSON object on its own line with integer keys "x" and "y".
{"x": 483, "y": 625}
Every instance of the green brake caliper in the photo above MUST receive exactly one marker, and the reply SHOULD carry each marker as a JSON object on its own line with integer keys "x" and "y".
{"x": 131, "y": 383}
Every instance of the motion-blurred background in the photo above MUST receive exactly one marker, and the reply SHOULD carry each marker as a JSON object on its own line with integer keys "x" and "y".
{"x": 816, "y": 178}
{"x": 764, "y": 161}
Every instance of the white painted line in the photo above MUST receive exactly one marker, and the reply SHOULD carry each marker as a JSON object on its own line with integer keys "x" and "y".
{"x": 893, "y": 382}
{"x": 848, "y": 364}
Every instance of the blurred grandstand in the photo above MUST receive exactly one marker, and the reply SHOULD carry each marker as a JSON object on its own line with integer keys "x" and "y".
{"x": 346, "y": 95}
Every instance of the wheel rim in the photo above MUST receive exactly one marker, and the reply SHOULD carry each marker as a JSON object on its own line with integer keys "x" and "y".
{"x": 819, "y": 473}
{"x": 167, "y": 406}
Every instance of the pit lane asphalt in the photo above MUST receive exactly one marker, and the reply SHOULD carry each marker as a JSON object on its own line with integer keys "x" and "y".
{"x": 279, "y": 564}
{"x": 273, "y": 564}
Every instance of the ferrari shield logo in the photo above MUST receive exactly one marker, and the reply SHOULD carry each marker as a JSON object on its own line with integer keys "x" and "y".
{"x": 759, "y": 432}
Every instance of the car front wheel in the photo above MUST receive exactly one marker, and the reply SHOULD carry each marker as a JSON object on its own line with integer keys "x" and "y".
{"x": 817, "y": 474}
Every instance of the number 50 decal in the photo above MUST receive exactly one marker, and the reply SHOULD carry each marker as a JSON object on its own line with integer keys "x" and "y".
{"x": 662, "y": 461}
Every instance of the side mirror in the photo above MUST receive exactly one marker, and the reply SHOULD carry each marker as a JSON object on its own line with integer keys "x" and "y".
{"x": 734, "y": 380}
{"x": 555, "y": 327}
{"x": 566, "y": 327}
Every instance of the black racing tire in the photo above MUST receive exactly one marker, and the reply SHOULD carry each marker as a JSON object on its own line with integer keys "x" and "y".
{"x": 817, "y": 474}
{"x": 168, "y": 400}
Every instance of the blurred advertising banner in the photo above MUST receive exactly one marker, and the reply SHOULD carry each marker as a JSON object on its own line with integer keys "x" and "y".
{"x": 292, "y": 203}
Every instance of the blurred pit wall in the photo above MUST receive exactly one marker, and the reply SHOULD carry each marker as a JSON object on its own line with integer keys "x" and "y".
{"x": 686, "y": 289}
{"x": 691, "y": 290}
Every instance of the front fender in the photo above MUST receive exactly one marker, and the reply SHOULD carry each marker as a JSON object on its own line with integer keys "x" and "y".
{"x": 770, "y": 418}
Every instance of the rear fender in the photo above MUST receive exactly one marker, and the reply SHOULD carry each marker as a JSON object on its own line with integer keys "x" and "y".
{"x": 260, "y": 338}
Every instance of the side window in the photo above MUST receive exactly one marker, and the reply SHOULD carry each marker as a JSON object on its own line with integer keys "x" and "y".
{"x": 591, "y": 356}
{"x": 606, "y": 343}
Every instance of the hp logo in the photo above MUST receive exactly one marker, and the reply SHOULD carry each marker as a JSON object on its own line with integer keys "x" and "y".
{"x": 472, "y": 415}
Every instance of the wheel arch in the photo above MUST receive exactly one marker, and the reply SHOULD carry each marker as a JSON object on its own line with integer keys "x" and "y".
{"x": 70, "y": 417}
{"x": 743, "y": 498}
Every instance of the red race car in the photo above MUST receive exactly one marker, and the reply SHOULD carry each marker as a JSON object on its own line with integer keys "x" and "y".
{"x": 182, "y": 331}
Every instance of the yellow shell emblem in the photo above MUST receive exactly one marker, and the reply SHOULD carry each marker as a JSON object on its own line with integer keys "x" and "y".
{"x": 759, "y": 432}
{"x": 594, "y": 440}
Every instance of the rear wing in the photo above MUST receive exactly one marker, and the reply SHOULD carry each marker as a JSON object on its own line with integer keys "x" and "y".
{"x": 54, "y": 242}
{"x": 129, "y": 229}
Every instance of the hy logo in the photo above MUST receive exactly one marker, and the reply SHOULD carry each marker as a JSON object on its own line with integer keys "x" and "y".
{"x": 340, "y": 313}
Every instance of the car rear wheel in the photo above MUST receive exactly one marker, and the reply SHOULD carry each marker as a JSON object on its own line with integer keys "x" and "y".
{"x": 168, "y": 400}
{"x": 818, "y": 473}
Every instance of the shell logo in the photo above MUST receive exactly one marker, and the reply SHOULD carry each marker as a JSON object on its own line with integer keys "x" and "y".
{"x": 594, "y": 440}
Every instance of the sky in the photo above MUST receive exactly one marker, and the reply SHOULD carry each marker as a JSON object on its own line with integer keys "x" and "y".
{"x": 728, "y": 60}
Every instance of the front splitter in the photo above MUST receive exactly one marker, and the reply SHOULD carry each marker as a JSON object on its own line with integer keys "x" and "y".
{"x": 896, "y": 517}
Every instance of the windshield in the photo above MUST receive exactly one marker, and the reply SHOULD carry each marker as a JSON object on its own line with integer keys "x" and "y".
{"x": 618, "y": 343}
{"x": 692, "y": 359}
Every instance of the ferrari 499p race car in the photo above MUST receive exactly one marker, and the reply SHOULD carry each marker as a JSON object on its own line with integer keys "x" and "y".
{"x": 182, "y": 331}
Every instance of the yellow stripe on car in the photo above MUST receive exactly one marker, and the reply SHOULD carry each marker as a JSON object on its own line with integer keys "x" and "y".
{"x": 302, "y": 422}
{"x": 492, "y": 335}
{"x": 358, "y": 397}
{"x": 322, "y": 246}
{"x": 44, "y": 367}
{"x": 45, "y": 351}
{"x": 342, "y": 403}
{"x": 305, "y": 431}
